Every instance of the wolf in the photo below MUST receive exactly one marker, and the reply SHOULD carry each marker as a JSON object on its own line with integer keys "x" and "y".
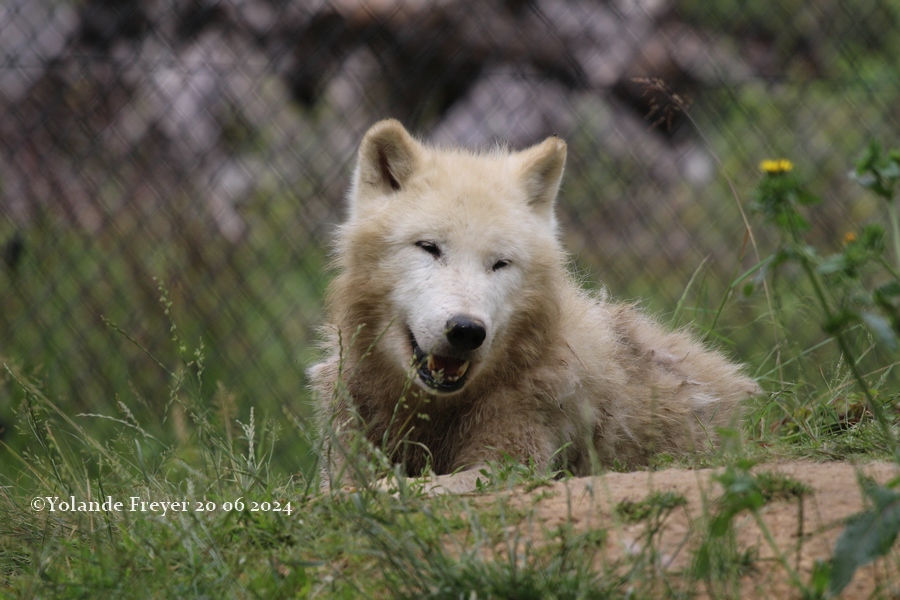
{"x": 456, "y": 336}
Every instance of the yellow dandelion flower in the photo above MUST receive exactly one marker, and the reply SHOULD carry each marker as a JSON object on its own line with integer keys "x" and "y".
{"x": 773, "y": 167}
{"x": 849, "y": 237}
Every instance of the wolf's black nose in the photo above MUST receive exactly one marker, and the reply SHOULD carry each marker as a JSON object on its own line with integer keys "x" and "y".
{"x": 465, "y": 333}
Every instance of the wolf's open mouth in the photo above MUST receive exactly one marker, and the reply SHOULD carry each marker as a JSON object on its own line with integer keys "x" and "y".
{"x": 441, "y": 373}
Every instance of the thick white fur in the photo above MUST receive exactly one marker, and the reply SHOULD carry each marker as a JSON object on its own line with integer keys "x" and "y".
{"x": 558, "y": 365}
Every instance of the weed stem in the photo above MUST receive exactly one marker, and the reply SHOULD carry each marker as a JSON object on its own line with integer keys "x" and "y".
{"x": 847, "y": 353}
{"x": 895, "y": 230}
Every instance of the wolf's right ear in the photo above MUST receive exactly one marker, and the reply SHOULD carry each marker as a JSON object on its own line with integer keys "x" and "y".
{"x": 388, "y": 156}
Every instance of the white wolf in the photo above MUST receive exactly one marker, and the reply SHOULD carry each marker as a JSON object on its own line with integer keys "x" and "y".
{"x": 450, "y": 273}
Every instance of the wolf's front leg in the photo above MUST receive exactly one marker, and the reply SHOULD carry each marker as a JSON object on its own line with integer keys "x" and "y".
{"x": 504, "y": 432}
{"x": 461, "y": 482}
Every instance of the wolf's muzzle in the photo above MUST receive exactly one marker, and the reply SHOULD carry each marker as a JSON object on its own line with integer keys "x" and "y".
{"x": 446, "y": 372}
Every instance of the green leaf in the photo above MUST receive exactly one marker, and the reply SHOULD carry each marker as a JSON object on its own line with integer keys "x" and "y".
{"x": 741, "y": 492}
{"x": 877, "y": 171}
{"x": 833, "y": 264}
{"x": 819, "y": 581}
{"x": 868, "y": 535}
{"x": 889, "y": 171}
{"x": 836, "y": 323}
{"x": 889, "y": 290}
{"x": 806, "y": 198}
{"x": 782, "y": 256}
{"x": 867, "y": 179}
{"x": 881, "y": 327}
{"x": 872, "y": 238}
{"x": 870, "y": 158}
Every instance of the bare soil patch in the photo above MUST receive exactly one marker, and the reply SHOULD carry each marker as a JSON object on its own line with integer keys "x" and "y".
{"x": 804, "y": 529}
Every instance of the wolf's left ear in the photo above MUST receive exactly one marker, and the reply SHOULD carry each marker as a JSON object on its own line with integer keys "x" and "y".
{"x": 541, "y": 169}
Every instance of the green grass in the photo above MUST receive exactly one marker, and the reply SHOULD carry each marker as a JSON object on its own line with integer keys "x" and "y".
{"x": 250, "y": 304}
{"x": 343, "y": 544}
{"x": 653, "y": 506}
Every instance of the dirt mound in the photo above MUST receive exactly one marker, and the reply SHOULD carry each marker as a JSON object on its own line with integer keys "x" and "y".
{"x": 803, "y": 527}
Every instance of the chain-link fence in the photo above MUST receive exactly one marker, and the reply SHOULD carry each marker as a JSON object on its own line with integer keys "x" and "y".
{"x": 206, "y": 145}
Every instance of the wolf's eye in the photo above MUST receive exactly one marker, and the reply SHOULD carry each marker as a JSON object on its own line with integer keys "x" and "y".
{"x": 500, "y": 264}
{"x": 430, "y": 247}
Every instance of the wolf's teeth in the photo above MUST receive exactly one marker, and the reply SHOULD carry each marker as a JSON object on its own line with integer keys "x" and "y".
{"x": 462, "y": 369}
{"x": 440, "y": 376}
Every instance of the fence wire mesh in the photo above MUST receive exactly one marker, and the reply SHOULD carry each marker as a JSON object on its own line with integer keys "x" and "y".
{"x": 206, "y": 145}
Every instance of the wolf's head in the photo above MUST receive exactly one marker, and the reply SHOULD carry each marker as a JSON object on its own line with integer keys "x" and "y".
{"x": 450, "y": 258}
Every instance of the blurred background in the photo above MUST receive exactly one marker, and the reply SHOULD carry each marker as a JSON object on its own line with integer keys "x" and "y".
{"x": 206, "y": 146}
